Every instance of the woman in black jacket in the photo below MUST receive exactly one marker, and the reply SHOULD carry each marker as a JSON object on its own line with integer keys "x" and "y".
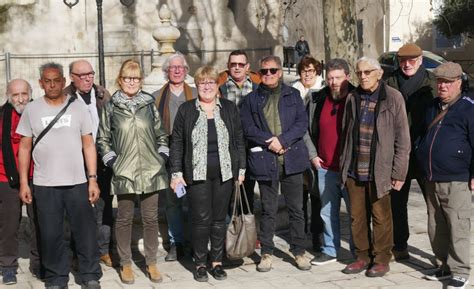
{"x": 207, "y": 154}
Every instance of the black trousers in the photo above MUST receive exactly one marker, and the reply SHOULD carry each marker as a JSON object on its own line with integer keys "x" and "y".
{"x": 399, "y": 202}
{"x": 209, "y": 202}
{"x": 10, "y": 217}
{"x": 292, "y": 190}
{"x": 51, "y": 204}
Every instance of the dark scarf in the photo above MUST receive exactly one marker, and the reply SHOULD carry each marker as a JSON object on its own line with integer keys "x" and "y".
{"x": 409, "y": 85}
{"x": 163, "y": 103}
{"x": 9, "y": 162}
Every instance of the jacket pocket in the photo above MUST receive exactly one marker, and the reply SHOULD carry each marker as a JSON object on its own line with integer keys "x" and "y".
{"x": 260, "y": 164}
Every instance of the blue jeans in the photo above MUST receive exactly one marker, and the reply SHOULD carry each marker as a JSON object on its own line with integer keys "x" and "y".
{"x": 331, "y": 192}
{"x": 174, "y": 216}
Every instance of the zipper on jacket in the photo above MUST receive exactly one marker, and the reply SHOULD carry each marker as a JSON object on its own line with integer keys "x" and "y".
{"x": 438, "y": 126}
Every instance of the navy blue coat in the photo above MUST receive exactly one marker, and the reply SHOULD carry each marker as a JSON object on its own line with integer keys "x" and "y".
{"x": 263, "y": 165}
{"x": 445, "y": 153}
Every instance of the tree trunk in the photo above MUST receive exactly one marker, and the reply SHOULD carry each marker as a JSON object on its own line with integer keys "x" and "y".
{"x": 340, "y": 30}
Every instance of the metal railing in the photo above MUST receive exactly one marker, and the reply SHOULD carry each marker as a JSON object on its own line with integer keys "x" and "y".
{"x": 26, "y": 65}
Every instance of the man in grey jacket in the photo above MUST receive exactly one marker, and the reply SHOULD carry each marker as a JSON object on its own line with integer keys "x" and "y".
{"x": 375, "y": 144}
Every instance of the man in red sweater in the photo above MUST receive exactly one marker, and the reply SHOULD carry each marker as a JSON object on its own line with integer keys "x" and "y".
{"x": 325, "y": 109}
{"x": 18, "y": 94}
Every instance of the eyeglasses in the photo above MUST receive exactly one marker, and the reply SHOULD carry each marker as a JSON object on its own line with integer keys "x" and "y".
{"x": 128, "y": 79}
{"x": 206, "y": 83}
{"x": 176, "y": 68}
{"x": 308, "y": 71}
{"x": 365, "y": 72}
{"x": 410, "y": 60}
{"x": 264, "y": 71}
{"x": 237, "y": 64}
{"x": 84, "y": 76}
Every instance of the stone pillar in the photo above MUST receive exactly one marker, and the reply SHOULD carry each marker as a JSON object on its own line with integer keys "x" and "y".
{"x": 166, "y": 35}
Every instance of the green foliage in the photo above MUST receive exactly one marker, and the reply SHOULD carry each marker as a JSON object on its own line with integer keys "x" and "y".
{"x": 456, "y": 17}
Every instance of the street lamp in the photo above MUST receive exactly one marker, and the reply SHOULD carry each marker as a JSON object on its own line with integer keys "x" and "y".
{"x": 100, "y": 29}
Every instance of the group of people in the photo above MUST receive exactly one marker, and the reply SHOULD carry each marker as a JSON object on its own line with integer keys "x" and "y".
{"x": 68, "y": 152}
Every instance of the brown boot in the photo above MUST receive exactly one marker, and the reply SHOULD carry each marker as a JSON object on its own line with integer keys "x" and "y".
{"x": 154, "y": 274}
{"x": 126, "y": 274}
{"x": 106, "y": 260}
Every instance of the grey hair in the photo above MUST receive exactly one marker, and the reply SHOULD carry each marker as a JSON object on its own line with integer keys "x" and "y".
{"x": 51, "y": 65}
{"x": 166, "y": 64}
{"x": 337, "y": 64}
{"x": 273, "y": 58}
{"x": 30, "y": 90}
{"x": 371, "y": 61}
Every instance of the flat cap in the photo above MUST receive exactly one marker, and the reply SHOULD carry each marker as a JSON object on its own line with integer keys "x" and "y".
{"x": 409, "y": 50}
{"x": 448, "y": 70}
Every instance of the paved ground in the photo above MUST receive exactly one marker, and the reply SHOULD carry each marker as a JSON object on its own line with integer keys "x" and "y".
{"x": 284, "y": 274}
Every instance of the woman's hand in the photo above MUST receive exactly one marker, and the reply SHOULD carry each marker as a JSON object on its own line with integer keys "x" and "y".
{"x": 175, "y": 182}
{"x": 241, "y": 180}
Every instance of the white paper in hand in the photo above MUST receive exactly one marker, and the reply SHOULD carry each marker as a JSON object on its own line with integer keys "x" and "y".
{"x": 180, "y": 190}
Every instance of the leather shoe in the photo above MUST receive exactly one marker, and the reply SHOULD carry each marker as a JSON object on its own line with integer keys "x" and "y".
{"x": 218, "y": 273}
{"x": 200, "y": 274}
{"x": 356, "y": 267}
{"x": 377, "y": 270}
{"x": 175, "y": 253}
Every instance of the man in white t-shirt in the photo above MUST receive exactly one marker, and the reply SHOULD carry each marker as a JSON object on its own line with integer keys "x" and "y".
{"x": 59, "y": 180}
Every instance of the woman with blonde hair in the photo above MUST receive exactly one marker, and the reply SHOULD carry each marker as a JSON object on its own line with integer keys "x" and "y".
{"x": 132, "y": 142}
{"x": 207, "y": 155}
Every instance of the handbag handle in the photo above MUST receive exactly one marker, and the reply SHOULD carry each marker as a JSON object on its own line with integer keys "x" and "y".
{"x": 238, "y": 199}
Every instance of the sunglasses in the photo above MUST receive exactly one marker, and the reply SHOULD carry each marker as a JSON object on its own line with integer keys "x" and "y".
{"x": 237, "y": 64}
{"x": 264, "y": 71}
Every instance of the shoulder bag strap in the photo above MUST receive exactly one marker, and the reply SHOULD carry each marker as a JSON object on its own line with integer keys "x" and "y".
{"x": 51, "y": 124}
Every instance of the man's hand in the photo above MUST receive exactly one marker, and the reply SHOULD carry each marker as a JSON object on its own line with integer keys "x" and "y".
{"x": 94, "y": 191}
{"x": 25, "y": 194}
{"x": 397, "y": 184}
{"x": 274, "y": 145}
{"x": 471, "y": 184}
{"x": 316, "y": 162}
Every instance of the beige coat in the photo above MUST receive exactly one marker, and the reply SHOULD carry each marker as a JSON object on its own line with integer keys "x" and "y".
{"x": 392, "y": 142}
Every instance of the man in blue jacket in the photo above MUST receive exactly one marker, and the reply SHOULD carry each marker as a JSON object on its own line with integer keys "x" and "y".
{"x": 445, "y": 154}
{"x": 274, "y": 122}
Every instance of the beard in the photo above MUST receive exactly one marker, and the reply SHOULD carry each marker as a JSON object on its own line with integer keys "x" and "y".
{"x": 336, "y": 94}
{"x": 19, "y": 108}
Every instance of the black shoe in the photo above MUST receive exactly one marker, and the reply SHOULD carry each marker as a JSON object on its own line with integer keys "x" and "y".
{"x": 218, "y": 273}
{"x": 322, "y": 259}
{"x": 175, "y": 253}
{"x": 9, "y": 276}
{"x": 457, "y": 283}
{"x": 200, "y": 274}
{"x": 92, "y": 284}
{"x": 438, "y": 275}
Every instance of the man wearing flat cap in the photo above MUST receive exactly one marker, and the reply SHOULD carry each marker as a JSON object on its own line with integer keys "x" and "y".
{"x": 418, "y": 89}
{"x": 445, "y": 155}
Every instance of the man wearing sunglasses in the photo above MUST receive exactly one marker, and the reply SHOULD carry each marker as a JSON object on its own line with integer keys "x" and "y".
{"x": 274, "y": 122}
{"x": 234, "y": 84}
{"x": 375, "y": 146}
{"x": 417, "y": 88}
{"x": 95, "y": 97}
{"x": 237, "y": 81}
